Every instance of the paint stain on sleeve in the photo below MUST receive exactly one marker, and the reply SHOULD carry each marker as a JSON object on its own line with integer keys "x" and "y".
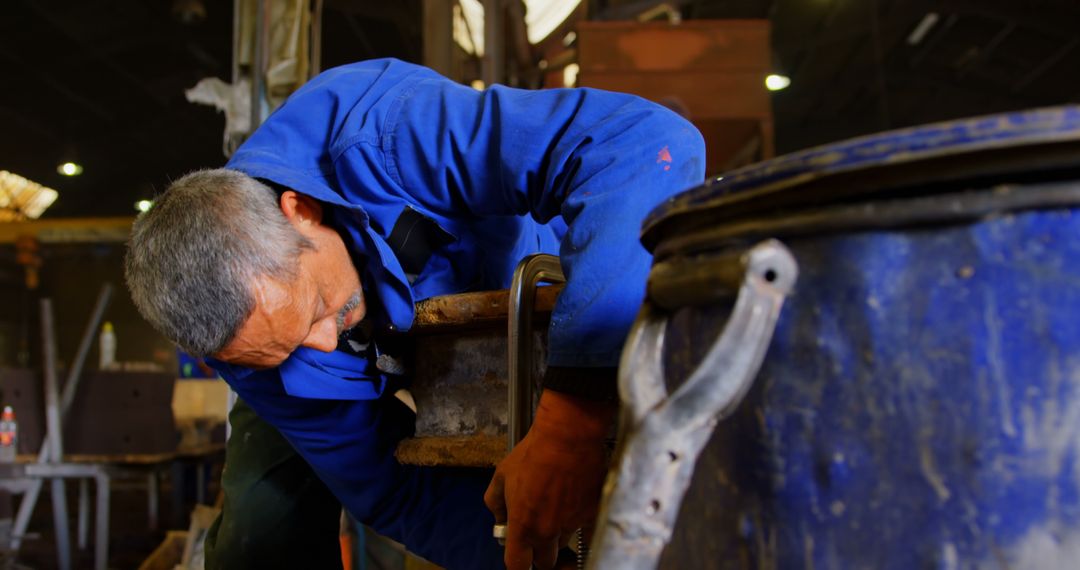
{"x": 664, "y": 157}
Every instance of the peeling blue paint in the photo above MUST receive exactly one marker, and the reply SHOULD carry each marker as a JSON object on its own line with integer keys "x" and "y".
{"x": 919, "y": 406}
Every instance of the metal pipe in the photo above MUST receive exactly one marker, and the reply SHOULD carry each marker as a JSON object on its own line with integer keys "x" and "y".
{"x": 55, "y": 443}
{"x": 257, "y": 65}
{"x": 92, "y": 327}
{"x": 491, "y": 69}
{"x": 101, "y": 532}
{"x": 315, "y": 60}
{"x": 84, "y": 513}
{"x": 29, "y": 501}
{"x": 529, "y": 273}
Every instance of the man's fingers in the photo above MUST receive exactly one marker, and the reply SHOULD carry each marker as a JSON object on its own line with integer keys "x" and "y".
{"x": 495, "y": 500}
{"x": 518, "y": 555}
{"x": 544, "y": 555}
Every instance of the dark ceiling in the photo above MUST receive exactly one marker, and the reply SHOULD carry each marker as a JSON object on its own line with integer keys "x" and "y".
{"x": 103, "y": 81}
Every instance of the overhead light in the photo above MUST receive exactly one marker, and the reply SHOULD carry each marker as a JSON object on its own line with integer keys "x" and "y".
{"x": 543, "y": 16}
{"x": 144, "y": 205}
{"x": 477, "y": 84}
{"x": 468, "y": 27}
{"x": 22, "y": 199}
{"x": 923, "y": 28}
{"x": 70, "y": 169}
{"x": 776, "y": 82}
{"x": 569, "y": 74}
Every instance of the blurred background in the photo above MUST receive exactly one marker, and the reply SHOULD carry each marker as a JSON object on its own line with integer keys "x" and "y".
{"x": 99, "y": 111}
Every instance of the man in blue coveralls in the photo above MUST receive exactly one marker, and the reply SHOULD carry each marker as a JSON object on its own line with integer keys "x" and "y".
{"x": 376, "y": 185}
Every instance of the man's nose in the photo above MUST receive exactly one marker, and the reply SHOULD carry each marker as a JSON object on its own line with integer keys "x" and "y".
{"x": 323, "y": 336}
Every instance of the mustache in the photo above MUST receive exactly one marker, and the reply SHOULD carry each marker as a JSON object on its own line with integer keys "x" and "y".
{"x": 351, "y": 304}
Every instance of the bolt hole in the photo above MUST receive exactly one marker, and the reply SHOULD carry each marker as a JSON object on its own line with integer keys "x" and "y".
{"x": 770, "y": 275}
{"x": 673, "y": 456}
{"x": 654, "y": 507}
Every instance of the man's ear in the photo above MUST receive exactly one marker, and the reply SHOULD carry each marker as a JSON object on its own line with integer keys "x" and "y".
{"x": 301, "y": 210}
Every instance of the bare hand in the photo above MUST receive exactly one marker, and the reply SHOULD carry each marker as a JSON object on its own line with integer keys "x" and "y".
{"x": 550, "y": 483}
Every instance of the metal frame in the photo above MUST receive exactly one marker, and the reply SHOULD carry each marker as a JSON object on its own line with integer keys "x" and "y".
{"x": 882, "y": 215}
{"x": 530, "y": 272}
{"x": 29, "y": 478}
{"x": 663, "y": 434}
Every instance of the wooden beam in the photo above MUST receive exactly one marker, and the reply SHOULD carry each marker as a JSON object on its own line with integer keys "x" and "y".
{"x": 69, "y": 230}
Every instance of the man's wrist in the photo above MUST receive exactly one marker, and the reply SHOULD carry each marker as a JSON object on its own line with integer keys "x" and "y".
{"x": 570, "y": 417}
{"x": 588, "y": 383}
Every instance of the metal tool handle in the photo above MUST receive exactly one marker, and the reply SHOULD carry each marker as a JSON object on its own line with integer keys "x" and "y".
{"x": 663, "y": 434}
{"x": 533, "y": 270}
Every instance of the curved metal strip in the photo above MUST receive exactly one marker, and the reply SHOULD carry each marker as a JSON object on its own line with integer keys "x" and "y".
{"x": 645, "y": 488}
{"x": 726, "y": 373}
{"x": 641, "y": 370}
{"x": 531, "y": 271}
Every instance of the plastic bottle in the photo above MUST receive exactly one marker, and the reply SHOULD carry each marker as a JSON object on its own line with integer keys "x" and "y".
{"x": 9, "y": 436}
{"x": 107, "y": 347}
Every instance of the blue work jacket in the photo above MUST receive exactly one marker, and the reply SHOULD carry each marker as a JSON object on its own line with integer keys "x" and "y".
{"x": 498, "y": 172}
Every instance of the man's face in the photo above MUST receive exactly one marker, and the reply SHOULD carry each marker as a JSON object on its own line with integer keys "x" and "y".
{"x": 313, "y": 309}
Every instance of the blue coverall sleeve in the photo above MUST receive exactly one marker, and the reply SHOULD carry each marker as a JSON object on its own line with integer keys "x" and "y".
{"x": 437, "y": 513}
{"x": 602, "y": 160}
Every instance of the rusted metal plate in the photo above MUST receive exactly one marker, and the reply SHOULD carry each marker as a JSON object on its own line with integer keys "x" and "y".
{"x": 457, "y": 356}
{"x": 460, "y": 381}
{"x": 461, "y": 451}
{"x": 723, "y": 46}
{"x": 474, "y": 310}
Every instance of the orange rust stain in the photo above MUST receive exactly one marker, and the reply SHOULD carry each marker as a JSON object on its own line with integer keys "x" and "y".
{"x": 663, "y": 156}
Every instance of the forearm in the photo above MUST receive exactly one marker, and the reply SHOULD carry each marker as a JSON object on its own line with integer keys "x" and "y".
{"x": 571, "y": 418}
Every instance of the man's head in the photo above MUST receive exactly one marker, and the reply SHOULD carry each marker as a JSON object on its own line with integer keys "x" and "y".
{"x": 227, "y": 267}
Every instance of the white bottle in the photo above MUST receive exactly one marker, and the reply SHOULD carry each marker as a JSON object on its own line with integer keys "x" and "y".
{"x": 9, "y": 436}
{"x": 107, "y": 347}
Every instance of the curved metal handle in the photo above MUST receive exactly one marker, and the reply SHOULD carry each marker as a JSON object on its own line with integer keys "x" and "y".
{"x": 532, "y": 270}
{"x": 664, "y": 434}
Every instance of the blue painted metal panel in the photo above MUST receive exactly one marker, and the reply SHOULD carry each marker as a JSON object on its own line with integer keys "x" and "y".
{"x": 919, "y": 406}
{"x": 953, "y": 138}
{"x": 922, "y": 399}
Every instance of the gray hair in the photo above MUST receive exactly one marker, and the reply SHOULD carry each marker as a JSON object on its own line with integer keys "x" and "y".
{"x": 193, "y": 257}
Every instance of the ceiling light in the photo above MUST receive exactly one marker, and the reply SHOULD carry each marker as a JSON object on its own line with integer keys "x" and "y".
{"x": 22, "y": 199}
{"x": 143, "y": 205}
{"x": 922, "y": 29}
{"x": 777, "y": 82}
{"x": 469, "y": 26}
{"x": 543, "y": 16}
{"x": 569, "y": 74}
{"x": 70, "y": 169}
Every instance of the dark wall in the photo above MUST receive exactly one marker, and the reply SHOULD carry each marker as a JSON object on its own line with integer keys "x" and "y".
{"x": 72, "y": 276}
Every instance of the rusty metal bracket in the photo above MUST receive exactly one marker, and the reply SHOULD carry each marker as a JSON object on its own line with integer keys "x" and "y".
{"x": 533, "y": 270}
{"x": 663, "y": 434}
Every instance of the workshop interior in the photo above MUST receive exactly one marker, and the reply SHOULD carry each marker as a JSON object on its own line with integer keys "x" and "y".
{"x": 853, "y": 342}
